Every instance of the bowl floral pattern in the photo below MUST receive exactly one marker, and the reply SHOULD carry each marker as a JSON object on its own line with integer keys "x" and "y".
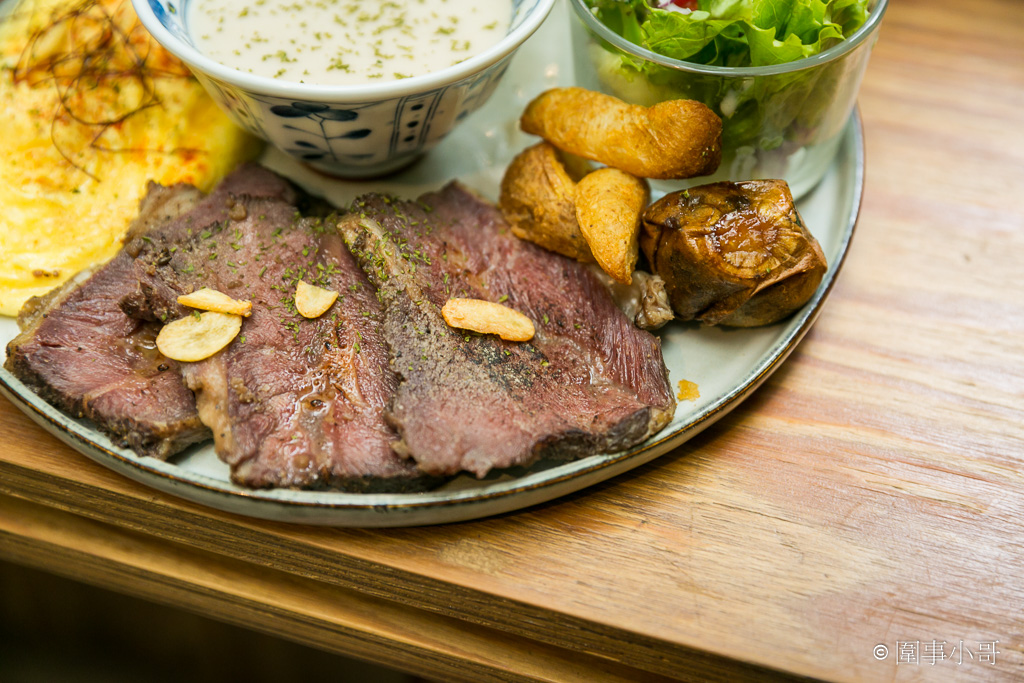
{"x": 359, "y": 139}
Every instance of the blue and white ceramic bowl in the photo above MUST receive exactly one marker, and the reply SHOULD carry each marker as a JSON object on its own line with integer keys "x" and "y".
{"x": 348, "y": 131}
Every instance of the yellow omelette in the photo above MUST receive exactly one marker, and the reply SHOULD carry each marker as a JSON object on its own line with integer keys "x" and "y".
{"x": 93, "y": 109}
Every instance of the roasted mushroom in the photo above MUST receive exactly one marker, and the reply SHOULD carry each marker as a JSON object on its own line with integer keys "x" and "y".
{"x": 733, "y": 254}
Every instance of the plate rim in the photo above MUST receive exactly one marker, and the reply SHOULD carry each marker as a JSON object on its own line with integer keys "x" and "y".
{"x": 411, "y": 509}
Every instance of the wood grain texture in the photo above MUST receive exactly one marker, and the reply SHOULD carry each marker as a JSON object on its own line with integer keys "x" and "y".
{"x": 274, "y": 603}
{"x": 872, "y": 491}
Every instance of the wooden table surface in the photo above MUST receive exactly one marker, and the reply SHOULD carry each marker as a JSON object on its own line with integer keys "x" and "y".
{"x": 871, "y": 493}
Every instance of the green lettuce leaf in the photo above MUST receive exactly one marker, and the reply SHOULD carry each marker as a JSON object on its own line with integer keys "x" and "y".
{"x": 681, "y": 36}
{"x": 735, "y": 32}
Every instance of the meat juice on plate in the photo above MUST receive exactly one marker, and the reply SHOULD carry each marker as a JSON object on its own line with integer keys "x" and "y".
{"x": 346, "y": 42}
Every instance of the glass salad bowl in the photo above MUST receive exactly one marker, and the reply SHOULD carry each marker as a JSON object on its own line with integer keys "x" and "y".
{"x": 779, "y": 120}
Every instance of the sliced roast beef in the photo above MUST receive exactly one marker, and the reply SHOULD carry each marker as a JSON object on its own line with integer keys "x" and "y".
{"x": 292, "y": 402}
{"x": 588, "y": 382}
{"x": 80, "y": 352}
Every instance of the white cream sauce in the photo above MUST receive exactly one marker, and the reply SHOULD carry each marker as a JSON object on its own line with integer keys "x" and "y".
{"x": 345, "y": 42}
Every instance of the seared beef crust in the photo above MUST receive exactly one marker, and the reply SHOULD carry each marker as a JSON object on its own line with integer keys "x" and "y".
{"x": 588, "y": 382}
{"x": 292, "y": 402}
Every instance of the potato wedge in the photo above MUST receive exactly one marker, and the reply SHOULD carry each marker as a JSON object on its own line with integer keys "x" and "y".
{"x": 672, "y": 139}
{"x": 198, "y": 336}
{"x": 537, "y": 199}
{"x": 609, "y": 203}
{"x": 311, "y": 301}
{"x": 207, "y": 299}
{"x": 488, "y": 317}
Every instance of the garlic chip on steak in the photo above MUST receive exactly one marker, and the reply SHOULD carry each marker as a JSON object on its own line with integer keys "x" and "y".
{"x": 207, "y": 299}
{"x": 198, "y": 336}
{"x": 488, "y": 317}
{"x": 313, "y": 302}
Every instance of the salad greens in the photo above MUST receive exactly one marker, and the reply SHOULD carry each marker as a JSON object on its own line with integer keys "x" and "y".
{"x": 765, "y": 118}
{"x": 734, "y": 32}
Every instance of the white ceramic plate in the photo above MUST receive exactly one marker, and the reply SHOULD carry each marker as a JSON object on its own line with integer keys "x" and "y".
{"x": 727, "y": 365}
